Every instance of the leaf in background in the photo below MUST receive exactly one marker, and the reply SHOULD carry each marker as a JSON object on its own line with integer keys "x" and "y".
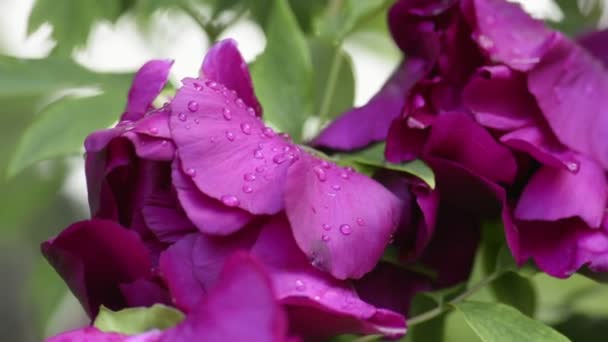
{"x": 339, "y": 22}
{"x": 137, "y": 320}
{"x": 71, "y": 20}
{"x": 282, "y": 75}
{"x": 304, "y": 11}
{"x": 61, "y": 127}
{"x": 495, "y": 322}
{"x": 334, "y": 82}
{"x": 374, "y": 156}
{"x": 575, "y": 21}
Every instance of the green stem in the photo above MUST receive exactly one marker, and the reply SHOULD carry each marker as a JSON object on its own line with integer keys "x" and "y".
{"x": 334, "y": 71}
{"x": 425, "y": 316}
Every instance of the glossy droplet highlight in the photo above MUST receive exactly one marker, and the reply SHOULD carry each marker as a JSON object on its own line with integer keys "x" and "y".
{"x": 250, "y": 177}
{"x": 247, "y": 189}
{"x": 240, "y": 103}
{"x": 268, "y": 132}
{"x": 325, "y": 237}
{"x": 321, "y": 175}
{"x": 250, "y": 111}
{"x": 326, "y": 227}
{"x": 197, "y": 121}
{"x": 193, "y": 106}
{"x": 230, "y": 200}
{"x": 300, "y": 286}
{"x": 182, "y": 116}
{"x": 325, "y": 164}
{"x": 360, "y": 221}
{"x": 258, "y": 154}
{"x": 227, "y": 114}
{"x": 191, "y": 172}
{"x": 260, "y": 169}
{"x": 336, "y": 187}
{"x": 213, "y": 85}
{"x": 230, "y": 136}
{"x": 246, "y": 128}
{"x": 346, "y": 229}
{"x": 279, "y": 158}
{"x": 573, "y": 166}
{"x": 344, "y": 175}
{"x": 154, "y": 130}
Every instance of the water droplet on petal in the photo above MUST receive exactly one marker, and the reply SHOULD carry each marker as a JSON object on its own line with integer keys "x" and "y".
{"x": 344, "y": 175}
{"x": 350, "y": 169}
{"x": 193, "y": 106}
{"x": 227, "y": 114}
{"x": 197, "y": 121}
{"x": 346, "y": 229}
{"x": 485, "y": 42}
{"x": 300, "y": 286}
{"x": 325, "y": 164}
{"x": 230, "y": 200}
{"x": 182, "y": 116}
{"x": 360, "y": 221}
{"x": 250, "y": 111}
{"x": 572, "y": 166}
{"x": 191, "y": 172}
{"x": 317, "y": 298}
{"x": 245, "y": 128}
{"x": 164, "y": 143}
{"x": 321, "y": 175}
{"x": 154, "y": 130}
{"x": 247, "y": 189}
{"x": 279, "y": 158}
{"x": 239, "y": 102}
{"x": 213, "y": 85}
{"x": 257, "y": 154}
{"x": 230, "y": 136}
{"x": 336, "y": 187}
{"x": 325, "y": 237}
{"x": 198, "y": 86}
{"x": 250, "y": 177}
{"x": 268, "y": 132}
{"x": 260, "y": 169}
{"x": 325, "y": 226}
{"x": 212, "y": 140}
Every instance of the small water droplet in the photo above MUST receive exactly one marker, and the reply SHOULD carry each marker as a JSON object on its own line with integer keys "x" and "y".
{"x": 197, "y": 86}
{"x": 360, "y": 221}
{"x": 250, "y": 111}
{"x": 346, "y": 229}
{"x": 321, "y": 175}
{"x": 245, "y": 128}
{"x": 326, "y": 227}
{"x": 164, "y": 143}
{"x": 317, "y": 298}
{"x": 239, "y": 102}
{"x": 285, "y": 136}
{"x": 268, "y": 132}
{"x": 279, "y": 158}
{"x": 300, "y": 286}
{"x": 413, "y": 123}
{"x": 325, "y": 164}
{"x": 485, "y": 42}
{"x": 182, "y": 116}
{"x": 193, "y": 106}
{"x": 230, "y": 200}
{"x": 260, "y": 169}
{"x": 227, "y": 114}
{"x": 197, "y": 121}
{"x": 350, "y": 169}
{"x": 250, "y": 177}
{"x": 213, "y": 85}
{"x": 573, "y": 166}
{"x": 258, "y": 154}
{"x": 154, "y": 130}
{"x": 325, "y": 237}
{"x": 230, "y": 136}
{"x": 187, "y": 126}
{"x": 247, "y": 189}
{"x": 191, "y": 172}
{"x": 212, "y": 140}
{"x": 344, "y": 175}
{"x": 336, "y": 187}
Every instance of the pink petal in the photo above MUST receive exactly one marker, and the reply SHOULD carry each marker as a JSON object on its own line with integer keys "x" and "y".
{"x": 334, "y": 211}
{"x": 228, "y": 152}
{"x": 88, "y": 334}
{"x": 225, "y": 65}
{"x": 147, "y": 84}
{"x": 555, "y": 193}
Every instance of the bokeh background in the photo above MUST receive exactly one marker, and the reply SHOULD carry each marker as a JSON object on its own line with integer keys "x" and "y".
{"x": 39, "y": 198}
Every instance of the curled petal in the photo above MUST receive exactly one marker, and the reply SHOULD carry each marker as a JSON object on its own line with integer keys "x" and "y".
{"x": 147, "y": 84}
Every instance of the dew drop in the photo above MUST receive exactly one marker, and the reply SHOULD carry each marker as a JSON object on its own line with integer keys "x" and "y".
{"x": 260, "y": 169}
{"x": 182, "y": 116}
{"x": 344, "y": 175}
{"x": 197, "y": 121}
{"x": 300, "y": 286}
{"x": 268, "y": 132}
{"x": 325, "y": 237}
{"x": 227, "y": 114}
{"x": 321, "y": 175}
{"x": 247, "y": 189}
{"x": 154, "y": 130}
{"x": 245, "y": 128}
{"x": 326, "y": 227}
{"x": 213, "y": 85}
{"x": 191, "y": 172}
{"x": 164, "y": 143}
{"x": 250, "y": 177}
{"x": 193, "y": 106}
{"x": 250, "y": 111}
{"x": 230, "y": 136}
{"x": 572, "y": 166}
{"x": 230, "y": 200}
{"x": 325, "y": 164}
{"x": 485, "y": 42}
{"x": 317, "y": 298}
{"x": 187, "y": 126}
{"x": 336, "y": 187}
{"x": 239, "y": 102}
{"x": 350, "y": 169}
{"x": 360, "y": 221}
{"x": 198, "y": 86}
{"x": 257, "y": 154}
{"x": 279, "y": 158}
{"x": 212, "y": 140}
{"x": 346, "y": 229}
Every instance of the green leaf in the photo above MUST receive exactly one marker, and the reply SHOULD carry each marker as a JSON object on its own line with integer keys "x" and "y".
{"x": 282, "y": 75}
{"x": 495, "y": 322}
{"x": 137, "y": 320}
{"x": 71, "y": 20}
{"x": 575, "y": 21}
{"x": 516, "y": 291}
{"x": 61, "y": 127}
{"x": 334, "y": 82}
{"x": 338, "y": 22}
{"x": 374, "y": 156}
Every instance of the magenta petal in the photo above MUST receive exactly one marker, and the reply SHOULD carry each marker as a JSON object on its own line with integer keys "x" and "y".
{"x": 244, "y": 163}
{"x": 570, "y": 87}
{"x": 361, "y": 126}
{"x": 144, "y": 292}
{"x": 508, "y": 34}
{"x": 208, "y": 214}
{"x": 405, "y": 141}
{"x": 334, "y": 211}
{"x": 554, "y": 193}
{"x": 456, "y": 137}
{"x": 499, "y": 98}
{"x": 240, "y": 307}
{"x": 309, "y": 293}
{"x": 541, "y": 144}
{"x": 163, "y": 216}
{"x": 225, "y": 65}
{"x": 88, "y": 334}
{"x": 94, "y": 257}
{"x": 147, "y": 84}
{"x": 596, "y": 43}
